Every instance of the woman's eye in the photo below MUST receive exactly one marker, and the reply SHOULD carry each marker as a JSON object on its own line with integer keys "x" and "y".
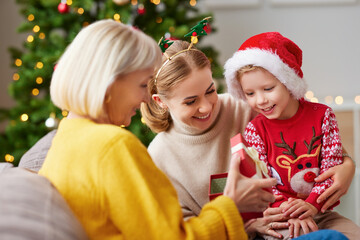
{"x": 211, "y": 91}
{"x": 144, "y": 85}
{"x": 249, "y": 94}
{"x": 189, "y": 103}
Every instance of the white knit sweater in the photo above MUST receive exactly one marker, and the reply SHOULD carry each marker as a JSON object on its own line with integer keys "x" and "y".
{"x": 189, "y": 158}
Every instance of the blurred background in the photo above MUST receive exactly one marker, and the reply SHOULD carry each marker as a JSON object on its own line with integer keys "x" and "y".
{"x": 328, "y": 32}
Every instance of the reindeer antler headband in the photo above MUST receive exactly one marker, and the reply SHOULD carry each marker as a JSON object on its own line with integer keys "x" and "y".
{"x": 197, "y": 30}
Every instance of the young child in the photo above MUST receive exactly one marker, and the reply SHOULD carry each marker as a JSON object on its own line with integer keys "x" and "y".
{"x": 297, "y": 139}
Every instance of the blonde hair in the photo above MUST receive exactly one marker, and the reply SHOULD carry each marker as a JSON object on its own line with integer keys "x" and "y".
{"x": 173, "y": 73}
{"x": 245, "y": 69}
{"x": 97, "y": 56}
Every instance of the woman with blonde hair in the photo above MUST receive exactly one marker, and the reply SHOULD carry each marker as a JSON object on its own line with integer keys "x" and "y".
{"x": 102, "y": 170}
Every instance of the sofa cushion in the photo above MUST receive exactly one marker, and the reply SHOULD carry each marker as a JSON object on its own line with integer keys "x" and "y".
{"x": 31, "y": 208}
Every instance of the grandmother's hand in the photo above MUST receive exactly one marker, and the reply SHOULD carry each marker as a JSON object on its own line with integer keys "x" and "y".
{"x": 248, "y": 194}
{"x": 272, "y": 220}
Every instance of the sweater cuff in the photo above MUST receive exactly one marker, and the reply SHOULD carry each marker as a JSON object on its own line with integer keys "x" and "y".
{"x": 221, "y": 219}
{"x": 312, "y": 200}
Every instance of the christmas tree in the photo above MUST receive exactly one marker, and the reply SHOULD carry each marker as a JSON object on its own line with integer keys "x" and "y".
{"x": 51, "y": 25}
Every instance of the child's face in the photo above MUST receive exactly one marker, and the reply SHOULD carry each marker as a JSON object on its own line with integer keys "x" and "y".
{"x": 267, "y": 95}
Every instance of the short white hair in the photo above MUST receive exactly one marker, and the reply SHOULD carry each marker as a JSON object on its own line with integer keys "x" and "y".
{"x": 97, "y": 56}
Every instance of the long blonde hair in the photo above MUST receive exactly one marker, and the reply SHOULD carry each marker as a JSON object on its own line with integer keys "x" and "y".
{"x": 173, "y": 73}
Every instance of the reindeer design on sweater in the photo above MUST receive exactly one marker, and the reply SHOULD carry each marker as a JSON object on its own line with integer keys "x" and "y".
{"x": 302, "y": 169}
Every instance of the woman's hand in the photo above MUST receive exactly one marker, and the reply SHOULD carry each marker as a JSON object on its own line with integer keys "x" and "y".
{"x": 248, "y": 194}
{"x": 342, "y": 176}
{"x": 273, "y": 219}
{"x": 307, "y": 225}
{"x": 295, "y": 207}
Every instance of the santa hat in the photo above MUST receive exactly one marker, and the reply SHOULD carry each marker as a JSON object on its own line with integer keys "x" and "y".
{"x": 273, "y": 52}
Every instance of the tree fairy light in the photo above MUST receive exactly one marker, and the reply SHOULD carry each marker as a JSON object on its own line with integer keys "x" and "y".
{"x": 39, "y": 80}
{"x": 9, "y": 158}
{"x": 16, "y": 76}
{"x": 42, "y": 35}
{"x": 80, "y": 11}
{"x": 117, "y": 17}
{"x": 64, "y": 113}
{"x": 35, "y": 92}
{"x": 193, "y": 3}
{"x": 36, "y": 28}
{"x": 31, "y": 17}
{"x": 24, "y": 117}
{"x": 39, "y": 65}
{"x": 18, "y": 62}
{"x": 30, "y": 38}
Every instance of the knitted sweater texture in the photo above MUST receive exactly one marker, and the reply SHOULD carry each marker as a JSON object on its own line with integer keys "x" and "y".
{"x": 298, "y": 149}
{"x": 189, "y": 158}
{"x": 113, "y": 187}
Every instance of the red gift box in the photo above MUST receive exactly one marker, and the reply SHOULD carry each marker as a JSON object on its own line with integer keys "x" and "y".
{"x": 249, "y": 167}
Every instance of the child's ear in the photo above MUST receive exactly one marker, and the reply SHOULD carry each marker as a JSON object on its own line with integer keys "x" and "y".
{"x": 158, "y": 100}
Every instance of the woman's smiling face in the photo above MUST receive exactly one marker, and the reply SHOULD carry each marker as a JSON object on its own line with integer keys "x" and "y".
{"x": 193, "y": 101}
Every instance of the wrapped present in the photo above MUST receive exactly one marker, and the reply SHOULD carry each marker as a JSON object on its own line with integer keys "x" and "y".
{"x": 250, "y": 166}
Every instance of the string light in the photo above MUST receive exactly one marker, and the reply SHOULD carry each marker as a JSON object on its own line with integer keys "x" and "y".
{"x": 36, "y": 29}
{"x": 156, "y": 2}
{"x": 31, "y": 17}
{"x": 24, "y": 117}
{"x": 64, "y": 113}
{"x": 39, "y": 80}
{"x": 85, "y": 24}
{"x": 117, "y": 17}
{"x": 80, "y": 11}
{"x": 16, "y": 76}
{"x": 339, "y": 100}
{"x": 69, "y": 2}
{"x": 42, "y": 35}
{"x": 143, "y": 120}
{"x": 9, "y": 158}
{"x": 39, "y": 65}
{"x": 159, "y": 20}
{"x": 134, "y": 2}
{"x": 329, "y": 99}
{"x": 357, "y": 99}
{"x": 35, "y": 92}
{"x": 18, "y": 62}
{"x": 30, "y": 38}
{"x": 171, "y": 29}
{"x": 193, "y": 2}
{"x": 309, "y": 94}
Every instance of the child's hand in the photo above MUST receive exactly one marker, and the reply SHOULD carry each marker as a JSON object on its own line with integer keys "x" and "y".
{"x": 307, "y": 225}
{"x": 295, "y": 207}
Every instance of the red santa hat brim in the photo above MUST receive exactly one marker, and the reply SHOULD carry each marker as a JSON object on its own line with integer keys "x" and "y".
{"x": 267, "y": 60}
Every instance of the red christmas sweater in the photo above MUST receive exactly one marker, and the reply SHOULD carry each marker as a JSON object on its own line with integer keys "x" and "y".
{"x": 298, "y": 149}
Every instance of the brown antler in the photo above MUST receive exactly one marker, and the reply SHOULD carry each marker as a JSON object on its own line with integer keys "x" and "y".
{"x": 310, "y": 146}
{"x": 291, "y": 151}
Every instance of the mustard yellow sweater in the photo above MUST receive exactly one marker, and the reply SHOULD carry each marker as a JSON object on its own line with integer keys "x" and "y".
{"x": 116, "y": 191}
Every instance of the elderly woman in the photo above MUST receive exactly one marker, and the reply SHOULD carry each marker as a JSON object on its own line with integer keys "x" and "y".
{"x": 103, "y": 171}
{"x": 194, "y": 126}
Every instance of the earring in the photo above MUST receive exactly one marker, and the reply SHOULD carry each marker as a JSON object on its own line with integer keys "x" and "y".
{"x": 107, "y": 98}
